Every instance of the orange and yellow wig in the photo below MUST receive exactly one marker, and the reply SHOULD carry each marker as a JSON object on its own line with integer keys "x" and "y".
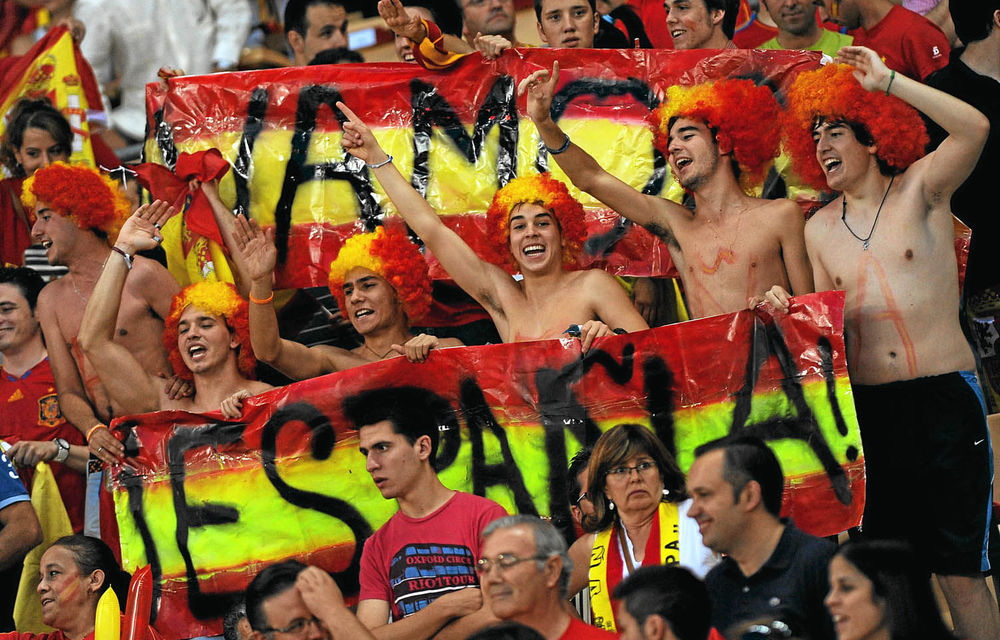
{"x": 743, "y": 116}
{"x": 220, "y": 299}
{"x": 548, "y": 193}
{"x": 388, "y": 253}
{"x": 92, "y": 200}
{"x": 833, "y": 94}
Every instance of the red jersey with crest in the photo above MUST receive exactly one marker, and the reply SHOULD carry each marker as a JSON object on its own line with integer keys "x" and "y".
{"x": 29, "y": 410}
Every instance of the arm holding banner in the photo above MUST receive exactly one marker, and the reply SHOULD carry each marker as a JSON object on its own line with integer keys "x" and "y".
{"x": 650, "y": 212}
{"x": 483, "y": 281}
{"x": 122, "y": 375}
{"x": 295, "y": 360}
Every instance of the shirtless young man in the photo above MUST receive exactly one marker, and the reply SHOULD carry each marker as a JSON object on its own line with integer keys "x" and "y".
{"x": 380, "y": 281}
{"x": 206, "y": 334}
{"x": 732, "y": 246}
{"x": 542, "y": 226}
{"x": 888, "y": 242}
{"x": 76, "y": 210}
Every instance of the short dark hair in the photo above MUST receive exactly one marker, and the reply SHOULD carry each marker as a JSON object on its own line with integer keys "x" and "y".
{"x": 577, "y": 464}
{"x": 731, "y": 9}
{"x": 295, "y": 14}
{"x": 91, "y": 554}
{"x": 33, "y": 114}
{"x": 748, "y": 459}
{"x": 671, "y": 592}
{"x": 273, "y": 580}
{"x": 336, "y": 55}
{"x": 973, "y": 18}
{"x": 230, "y": 622}
{"x": 901, "y": 581}
{"x": 28, "y": 281}
{"x": 414, "y": 412}
{"x": 538, "y": 8}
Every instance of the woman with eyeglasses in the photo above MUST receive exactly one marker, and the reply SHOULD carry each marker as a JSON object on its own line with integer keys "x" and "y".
{"x": 639, "y": 519}
{"x": 880, "y": 590}
{"x": 74, "y": 573}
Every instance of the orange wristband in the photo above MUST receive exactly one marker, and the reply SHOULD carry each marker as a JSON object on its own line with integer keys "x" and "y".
{"x": 266, "y": 300}
{"x": 95, "y": 428}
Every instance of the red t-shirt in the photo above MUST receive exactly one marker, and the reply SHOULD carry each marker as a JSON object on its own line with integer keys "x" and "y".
{"x": 580, "y": 630}
{"x": 910, "y": 43}
{"x": 753, "y": 34}
{"x": 409, "y": 562}
{"x": 29, "y": 410}
{"x": 654, "y": 18}
{"x": 15, "y": 234}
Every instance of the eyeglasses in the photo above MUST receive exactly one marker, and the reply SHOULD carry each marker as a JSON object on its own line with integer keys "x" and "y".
{"x": 623, "y": 472}
{"x": 503, "y": 562}
{"x": 295, "y": 627}
{"x": 583, "y": 496}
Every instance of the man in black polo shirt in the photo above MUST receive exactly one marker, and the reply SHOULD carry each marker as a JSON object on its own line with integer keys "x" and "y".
{"x": 771, "y": 569}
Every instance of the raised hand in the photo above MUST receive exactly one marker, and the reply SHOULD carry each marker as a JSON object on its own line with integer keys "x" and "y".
{"x": 319, "y": 592}
{"x": 540, "y": 87}
{"x": 358, "y": 138}
{"x": 142, "y": 229}
{"x": 400, "y": 21}
{"x": 869, "y": 69}
{"x": 256, "y": 247}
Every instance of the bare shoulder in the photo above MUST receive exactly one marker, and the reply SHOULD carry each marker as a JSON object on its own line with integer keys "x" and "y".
{"x": 152, "y": 278}
{"x": 50, "y": 293}
{"x": 256, "y": 387}
{"x": 777, "y": 211}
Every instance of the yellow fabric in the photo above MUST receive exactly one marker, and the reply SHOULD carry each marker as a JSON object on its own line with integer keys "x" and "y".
{"x": 682, "y": 312}
{"x": 48, "y": 504}
{"x": 605, "y": 544}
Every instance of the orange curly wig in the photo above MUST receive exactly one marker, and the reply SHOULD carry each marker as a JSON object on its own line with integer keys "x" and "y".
{"x": 548, "y": 193}
{"x": 220, "y": 299}
{"x": 92, "y": 200}
{"x": 743, "y": 116}
{"x": 832, "y": 93}
{"x": 389, "y": 253}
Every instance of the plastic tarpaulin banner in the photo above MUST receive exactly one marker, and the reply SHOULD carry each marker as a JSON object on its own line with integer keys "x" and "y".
{"x": 211, "y": 502}
{"x": 458, "y": 136}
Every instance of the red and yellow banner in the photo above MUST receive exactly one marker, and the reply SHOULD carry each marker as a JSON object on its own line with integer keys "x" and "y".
{"x": 458, "y": 136}
{"x": 55, "y": 69}
{"x": 211, "y": 502}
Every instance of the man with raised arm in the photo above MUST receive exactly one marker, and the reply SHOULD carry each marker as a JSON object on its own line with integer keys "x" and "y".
{"x": 888, "y": 242}
{"x": 542, "y": 226}
{"x": 76, "y": 210}
{"x": 732, "y": 246}
{"x": 205, "y": 334}
{"x": 381, "y": 283}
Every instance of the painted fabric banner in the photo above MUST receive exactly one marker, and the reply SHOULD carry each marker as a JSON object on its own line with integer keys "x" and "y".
{"x": 210, "y": 502}
{"x": 459, "y": 136}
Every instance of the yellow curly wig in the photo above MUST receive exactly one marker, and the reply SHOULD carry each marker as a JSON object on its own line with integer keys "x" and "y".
{"x": 92, "y": 200}
{"x": 389, "y": 253}
{"x": 743, "y": 115}
{"x": 220, "y": 299}
{"x": 833, "y": 93}
{"x": 548, "y": 193}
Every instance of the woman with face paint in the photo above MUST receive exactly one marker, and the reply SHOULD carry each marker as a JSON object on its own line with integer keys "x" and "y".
{"x": 73, "y": 575}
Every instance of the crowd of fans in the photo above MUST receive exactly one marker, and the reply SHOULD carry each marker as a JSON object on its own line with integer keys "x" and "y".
{"x": 660, "y": 554}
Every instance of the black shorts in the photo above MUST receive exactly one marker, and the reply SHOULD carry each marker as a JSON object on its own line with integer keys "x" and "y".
{"x": 929, "y": 469}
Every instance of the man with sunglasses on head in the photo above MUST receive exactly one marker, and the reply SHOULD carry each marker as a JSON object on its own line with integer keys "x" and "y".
{"x": 291, "y": 600}
{"x": 524, "y": 571}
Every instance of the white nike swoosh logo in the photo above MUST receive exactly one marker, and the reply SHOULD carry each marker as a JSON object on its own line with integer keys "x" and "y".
{"x": 978, "y": 442}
